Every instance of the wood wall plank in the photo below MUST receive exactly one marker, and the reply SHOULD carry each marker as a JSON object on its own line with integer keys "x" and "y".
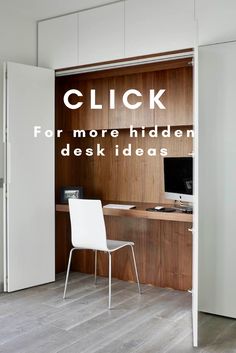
{"x": 62, "y": 241}
{"x": 176, "y": 255}
{"x": 123, "y": 117}
{"x": 163, "y": 253}
{"x": 122, "y": 178}
{"x": 177, "y": 81}
{"x": 178, "y": 97}
{"x": 83, "y": 117}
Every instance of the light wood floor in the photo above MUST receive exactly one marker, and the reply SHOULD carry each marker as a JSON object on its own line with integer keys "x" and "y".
{"x": 37, "y": 320}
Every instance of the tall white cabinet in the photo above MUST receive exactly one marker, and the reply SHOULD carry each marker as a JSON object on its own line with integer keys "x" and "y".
{"x": 101, "y": 34}
{"x": 217, "y": 172}
{"x": 155, "y": 26}
{"x": 82, "y": 38}
{"x": 58, "y": 42}
{"x": 216, "y": 21}
{"x": 115, "y": 31}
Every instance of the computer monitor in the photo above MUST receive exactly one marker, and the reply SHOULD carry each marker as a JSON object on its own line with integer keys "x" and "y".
{"x": 178, "y": 178}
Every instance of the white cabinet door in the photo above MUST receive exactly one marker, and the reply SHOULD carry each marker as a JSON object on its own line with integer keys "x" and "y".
{"x": 57, "y": 42}
{"x": 154, "y": 26}
{"x": 101, "y": 34}
{"x": 29, "y": 231}
{"x": 217, "y": 187}
{"x": 216, "y": 21}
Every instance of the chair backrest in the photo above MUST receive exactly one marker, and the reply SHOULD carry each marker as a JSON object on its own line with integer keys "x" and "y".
{"x": 87, "y": 224}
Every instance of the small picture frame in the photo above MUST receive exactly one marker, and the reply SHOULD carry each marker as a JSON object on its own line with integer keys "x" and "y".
{"x": 73, "y": 192}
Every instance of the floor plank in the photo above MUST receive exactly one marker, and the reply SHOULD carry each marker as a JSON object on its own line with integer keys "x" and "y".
{"x": 38, "y": 320}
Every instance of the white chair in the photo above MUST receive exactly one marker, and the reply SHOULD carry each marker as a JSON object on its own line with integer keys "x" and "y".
{"x": 88, "y": 232}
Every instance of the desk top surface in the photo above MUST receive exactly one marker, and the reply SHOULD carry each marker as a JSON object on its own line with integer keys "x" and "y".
{"x": 139, "y": 211}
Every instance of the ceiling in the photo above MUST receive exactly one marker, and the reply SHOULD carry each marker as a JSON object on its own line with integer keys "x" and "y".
{"x": 41, "y": 9}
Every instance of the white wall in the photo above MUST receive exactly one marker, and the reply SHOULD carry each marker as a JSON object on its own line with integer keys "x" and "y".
{"x": 18, "y": 44}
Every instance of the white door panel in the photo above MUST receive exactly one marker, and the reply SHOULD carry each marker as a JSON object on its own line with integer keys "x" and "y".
{"x": 155, "y": 26}
{"x": 29, "y": 178}
{"x": 101, "y": 34}
{"x": 195, "y": 213}
{"x": 57, "y": 42}
{"x": 217, "y": 188}
{"x": 216, "y": 21}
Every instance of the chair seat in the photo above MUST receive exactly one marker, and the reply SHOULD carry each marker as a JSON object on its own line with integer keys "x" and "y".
{"x": 114, "y": 245}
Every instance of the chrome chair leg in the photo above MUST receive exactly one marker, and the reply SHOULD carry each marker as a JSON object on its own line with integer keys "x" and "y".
{"x": 67, "y": 273}
{"x": 95, "y": 270}
{"x": 135, "y": 268}
{"x": 109, "y": 305}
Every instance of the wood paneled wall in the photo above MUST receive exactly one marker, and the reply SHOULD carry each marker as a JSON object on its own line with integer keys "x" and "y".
{"x": 176, "y": 80}
{"x": 163, "y": 248}
{"x": 122, "y": 117}
{"x": 122, "y": 178}
{"x": 178, "y": 98}
{"x": 163, "y": 251}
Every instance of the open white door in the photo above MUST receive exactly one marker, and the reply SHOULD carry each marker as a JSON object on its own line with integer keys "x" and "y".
{"x": 29, "y": 244}
{"x": 195, "y": 215}
{"x": 217, "y": 187}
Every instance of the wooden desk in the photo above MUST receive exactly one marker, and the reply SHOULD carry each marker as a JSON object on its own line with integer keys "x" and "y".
{"x": 138, "y": 212}
{"x": 163, "y": 245}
